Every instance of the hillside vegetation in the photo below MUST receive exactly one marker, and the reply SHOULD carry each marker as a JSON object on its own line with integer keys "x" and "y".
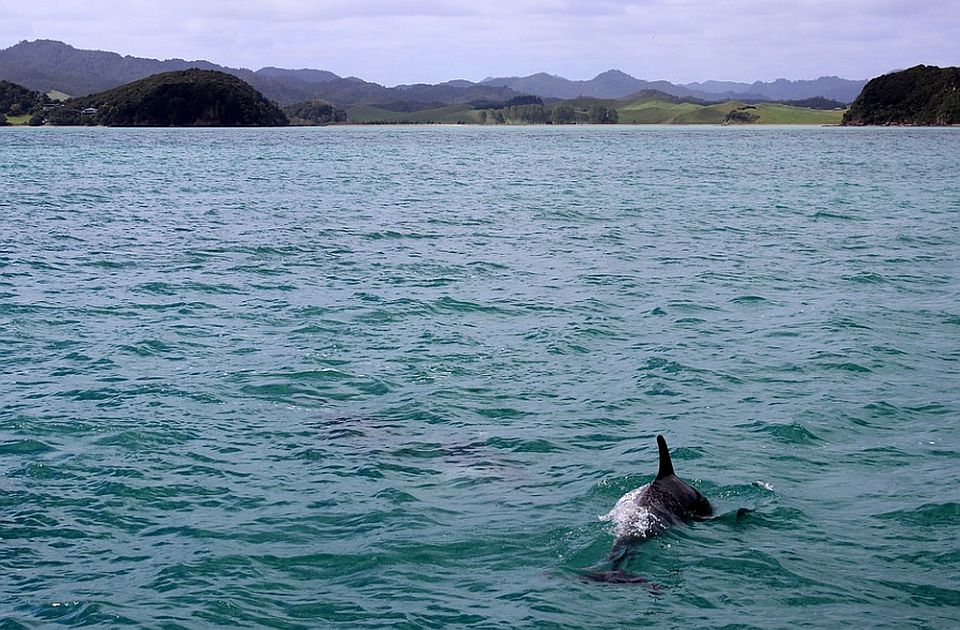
{"x": 447, "y": 114}
{"x": 18, "y": 102}
{"x": 315, "y": 112}
{"x": 648, "y": 109}
{"x": 185, "y": 98}
{"x": 922, "y": 95}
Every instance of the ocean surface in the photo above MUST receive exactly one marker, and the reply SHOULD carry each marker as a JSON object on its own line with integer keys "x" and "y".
{"x": 392, "y": 376}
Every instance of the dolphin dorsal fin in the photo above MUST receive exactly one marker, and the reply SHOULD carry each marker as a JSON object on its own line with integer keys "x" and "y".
{"x": 666, "y": 465}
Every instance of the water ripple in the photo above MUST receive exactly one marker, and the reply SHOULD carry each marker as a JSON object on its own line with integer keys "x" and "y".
{"x": 389, "y": 377}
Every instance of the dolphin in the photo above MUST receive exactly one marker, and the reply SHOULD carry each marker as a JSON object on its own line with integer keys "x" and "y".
{"x": 648, "y": 511}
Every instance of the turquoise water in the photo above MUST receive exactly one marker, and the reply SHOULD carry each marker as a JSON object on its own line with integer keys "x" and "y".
{"x": 390, "y": 377}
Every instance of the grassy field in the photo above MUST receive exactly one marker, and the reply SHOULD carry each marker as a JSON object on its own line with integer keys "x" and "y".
{"x": 777, "y": 114}
{"x": 57, "y": 95}
{"x": 18, "y": 120}
{"x": 653, "y": 112}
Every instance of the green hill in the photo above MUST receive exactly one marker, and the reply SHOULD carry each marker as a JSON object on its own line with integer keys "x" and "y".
{"x": 922, "y": 95}
{"x": 183, "y": 98}
{"x": 657, "y": 111}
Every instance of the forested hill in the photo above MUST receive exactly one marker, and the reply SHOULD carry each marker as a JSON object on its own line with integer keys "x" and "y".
{"x": 922, "y": 95}
{"x": 17, "y": 100}
{"x": 184, "y": 98}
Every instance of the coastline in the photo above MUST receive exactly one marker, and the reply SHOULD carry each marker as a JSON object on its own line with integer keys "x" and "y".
{"x": 531, "y": 126}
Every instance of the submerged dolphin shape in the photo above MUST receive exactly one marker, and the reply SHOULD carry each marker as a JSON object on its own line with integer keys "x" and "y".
{"x": 648, "y": 511}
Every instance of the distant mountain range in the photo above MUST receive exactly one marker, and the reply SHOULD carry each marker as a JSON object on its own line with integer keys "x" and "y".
{"x": 46, "y": 66}
{"x": 617, "y": 84}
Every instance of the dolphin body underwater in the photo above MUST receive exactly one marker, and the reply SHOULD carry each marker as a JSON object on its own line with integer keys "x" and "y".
{"x": 648, "y": 511}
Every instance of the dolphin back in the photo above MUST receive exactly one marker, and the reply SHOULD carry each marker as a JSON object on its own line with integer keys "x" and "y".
{"x": 680, "y": 498}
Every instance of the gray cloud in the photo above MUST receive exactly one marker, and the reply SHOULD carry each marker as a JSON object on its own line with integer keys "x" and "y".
{"x": 434, "y": 40}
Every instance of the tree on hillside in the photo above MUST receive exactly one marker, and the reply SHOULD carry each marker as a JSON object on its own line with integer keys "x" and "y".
{"x": 316, "y": 112}
{"x": 525, "y": 99}
{"x": 531, "y": 114}
{"x": 63, "y": 116}
{"x": 563, "y": 114}
{"x": 602, "y": 115}
{"x": 16, "y": 99}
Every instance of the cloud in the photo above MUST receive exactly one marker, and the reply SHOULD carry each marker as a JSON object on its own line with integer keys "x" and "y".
{"x": 433, "y": 40}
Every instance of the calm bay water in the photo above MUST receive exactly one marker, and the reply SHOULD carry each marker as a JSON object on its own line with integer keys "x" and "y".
{"x": 390, "y": 377}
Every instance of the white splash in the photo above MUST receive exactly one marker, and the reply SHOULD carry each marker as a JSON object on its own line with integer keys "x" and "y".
{"x": 629, "y": 518}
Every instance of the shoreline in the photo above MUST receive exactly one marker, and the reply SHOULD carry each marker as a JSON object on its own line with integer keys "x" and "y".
{"x": 480, "y": 126}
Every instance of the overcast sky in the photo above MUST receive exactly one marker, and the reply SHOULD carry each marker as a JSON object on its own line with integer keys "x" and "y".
{"x": 407, "y": 41}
